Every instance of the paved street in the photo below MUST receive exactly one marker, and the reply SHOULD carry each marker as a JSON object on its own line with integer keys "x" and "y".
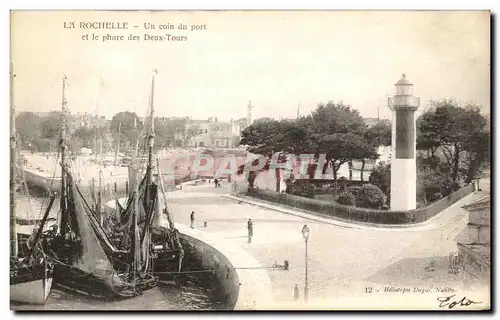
{"x": 343, "y": 262}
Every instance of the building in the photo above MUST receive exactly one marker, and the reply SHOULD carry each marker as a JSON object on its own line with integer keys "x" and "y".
{"x": 213, "y": 133}
{"x": 88, "y": 120}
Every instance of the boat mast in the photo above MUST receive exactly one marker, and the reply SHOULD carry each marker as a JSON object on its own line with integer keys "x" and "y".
{"x": 151, "y": 137}
{"x": 99, "y": 193}
{"x": 118, "y": 144}
{"x": 13, "y": 233}
{"x": 136, "y": 263}
{"x": 64, "y": 218}
{"x": 96, "y": 131}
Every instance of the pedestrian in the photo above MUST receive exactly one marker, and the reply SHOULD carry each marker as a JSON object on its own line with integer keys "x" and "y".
{"x": 192, "y": 219}
{"x": 250, "y": 230}
{"x": 296, "y": 292}
{"x": 216, "y": 182}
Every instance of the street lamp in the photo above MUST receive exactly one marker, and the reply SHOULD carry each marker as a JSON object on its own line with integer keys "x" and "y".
{"x": 305, "y": 234}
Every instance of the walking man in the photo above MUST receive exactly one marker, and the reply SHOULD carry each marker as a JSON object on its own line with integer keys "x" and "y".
{"x": 250, "y": 230}
{"x": 192, "y": 219}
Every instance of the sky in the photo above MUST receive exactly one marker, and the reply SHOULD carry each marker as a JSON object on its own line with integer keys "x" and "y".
{"x": 279, "y": 60}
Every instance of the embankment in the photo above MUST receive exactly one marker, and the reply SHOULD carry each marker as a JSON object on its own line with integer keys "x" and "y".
{"x": 244, "y": 284}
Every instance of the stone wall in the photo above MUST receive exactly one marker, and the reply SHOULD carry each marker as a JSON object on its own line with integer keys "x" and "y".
{"x": 474, "y": 242}
{"x": 245, "y": 285}
{"x": 211, "y": 259}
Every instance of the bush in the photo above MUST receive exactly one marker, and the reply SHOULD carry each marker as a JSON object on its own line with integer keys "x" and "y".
{"x": 381, "y": 177}
{"x": 370, "y": 196}
{"x": 342, "y": 183}
{"x": 347, "y": 198}
{"x": 301, "y": 188}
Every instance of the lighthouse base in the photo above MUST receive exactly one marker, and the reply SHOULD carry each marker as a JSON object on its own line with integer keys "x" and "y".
{"x": 403, "y": 184}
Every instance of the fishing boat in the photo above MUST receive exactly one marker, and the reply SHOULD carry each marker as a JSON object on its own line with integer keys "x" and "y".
{"x": 161, "y": 251}
{"x": 86, "y": 259}
{"x": 31, "y": 270}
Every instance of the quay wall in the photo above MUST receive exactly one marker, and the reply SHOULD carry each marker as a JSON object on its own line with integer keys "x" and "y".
{"x": 245, "y": 284}
{"x": 211, "y": 259}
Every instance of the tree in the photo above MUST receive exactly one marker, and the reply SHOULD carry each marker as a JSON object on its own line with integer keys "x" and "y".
{"x": 163, "y": 135}
{"x": 51, "y": 126}
{"x": 85, "y": 136}
{"x": 434, "y": 183}
{"x": 178, "y": 126}
{"x": 379, "y": 134}
{"x": 262, "y": 139}
{"x": 126, "y": 127}
{"x": 478, "y": 156}
{"x": 192, "y": 132}
{"x": 171, "y": 132}
{"x": 337, "y": 131}
{"x": 370, "y": 196}
{"x": 252, "y": 174}
{"x": 264, "y": 119}
{"x": 28, "y": 127}
{"x": 375, "y": 137}
{"x": 275, "y": 139}
{"x": 456, "y": 134}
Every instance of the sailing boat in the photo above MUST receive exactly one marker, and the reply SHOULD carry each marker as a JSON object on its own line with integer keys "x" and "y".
{"x": 30, "y": 274}
{"x": 86, "y": 259}
{"x": 159, "y": 246}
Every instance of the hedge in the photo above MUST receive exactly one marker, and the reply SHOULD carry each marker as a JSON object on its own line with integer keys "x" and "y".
{"x": 361, "y": 214}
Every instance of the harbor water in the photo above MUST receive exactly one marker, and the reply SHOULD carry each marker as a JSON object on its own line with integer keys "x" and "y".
{"x": 164, "y": 297}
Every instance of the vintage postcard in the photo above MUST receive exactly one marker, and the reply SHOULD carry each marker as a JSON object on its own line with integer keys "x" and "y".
{"x": 250, "y": 160}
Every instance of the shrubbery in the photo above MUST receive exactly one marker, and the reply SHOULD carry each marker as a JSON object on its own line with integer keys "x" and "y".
{"x": 301, "y": 188}
{"x": 370, "y": 196}
{"x": 347, "y": 198}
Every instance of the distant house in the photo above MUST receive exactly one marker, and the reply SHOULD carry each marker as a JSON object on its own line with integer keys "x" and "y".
{"x": 213, "y": 133}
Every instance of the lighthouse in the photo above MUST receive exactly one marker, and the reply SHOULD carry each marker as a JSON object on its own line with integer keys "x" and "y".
{"x": 403, "y": 165}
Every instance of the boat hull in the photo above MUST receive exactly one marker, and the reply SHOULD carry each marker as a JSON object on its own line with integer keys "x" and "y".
{"x": 73, "y": 279}
{"x": 39, "y": 181}
{"x": 31, "y": 284}
{"x": 43, "y": 183}
{"x": 166, "y": 260}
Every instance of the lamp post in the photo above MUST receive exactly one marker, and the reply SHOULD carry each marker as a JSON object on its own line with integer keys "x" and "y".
{"x": 305, "y": 234}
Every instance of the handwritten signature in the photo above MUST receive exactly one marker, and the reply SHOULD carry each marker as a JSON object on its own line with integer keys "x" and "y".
{"x": 447, "y": 302}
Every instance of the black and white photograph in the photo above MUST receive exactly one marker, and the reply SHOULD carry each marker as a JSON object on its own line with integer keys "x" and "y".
{"x": 250, "y": 160}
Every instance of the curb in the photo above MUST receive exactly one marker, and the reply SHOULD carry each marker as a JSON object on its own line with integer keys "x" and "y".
{"x": 426, "y": 225}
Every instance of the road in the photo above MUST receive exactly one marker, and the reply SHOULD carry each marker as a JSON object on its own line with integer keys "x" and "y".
{"x": 343, "y": 262}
